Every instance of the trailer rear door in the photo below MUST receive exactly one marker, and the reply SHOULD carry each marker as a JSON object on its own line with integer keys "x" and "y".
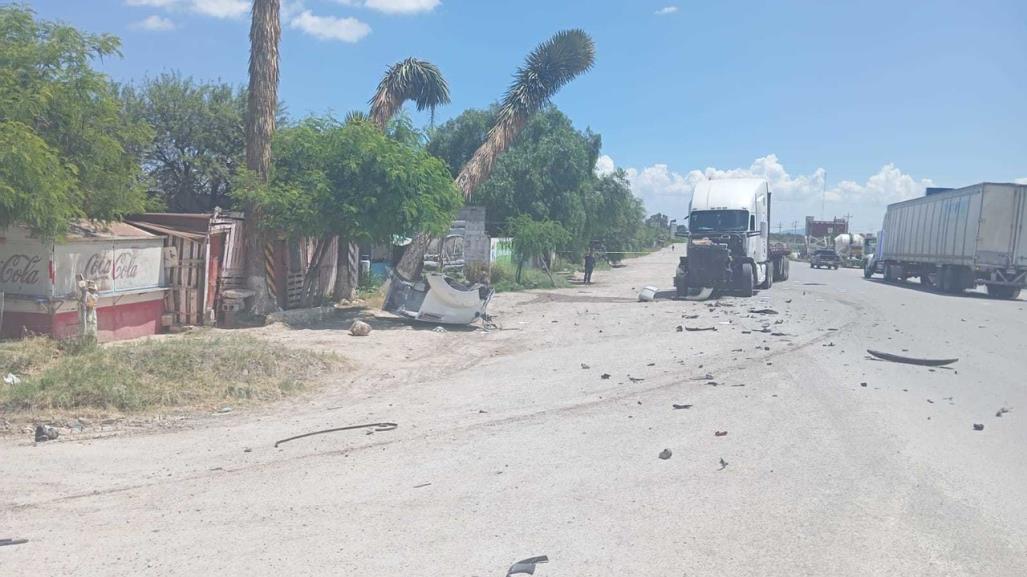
{"x": 1000, "y": 209}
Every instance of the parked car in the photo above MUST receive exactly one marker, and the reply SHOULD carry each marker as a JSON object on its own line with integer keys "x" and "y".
{"x": 825, "y": 258}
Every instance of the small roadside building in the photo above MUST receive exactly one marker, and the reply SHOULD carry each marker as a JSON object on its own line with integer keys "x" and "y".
{"x": 39, "y": 291}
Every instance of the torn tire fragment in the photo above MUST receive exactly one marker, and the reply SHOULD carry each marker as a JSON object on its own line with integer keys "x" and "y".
{"x": 526, "y": 566}
{"x": 910, "y": 360}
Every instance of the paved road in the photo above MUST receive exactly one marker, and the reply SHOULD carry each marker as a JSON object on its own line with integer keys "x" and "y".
{"x": 511, "y": 444}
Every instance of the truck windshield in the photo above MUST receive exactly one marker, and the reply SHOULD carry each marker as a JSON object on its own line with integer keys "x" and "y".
{"x": 719, "y": 221}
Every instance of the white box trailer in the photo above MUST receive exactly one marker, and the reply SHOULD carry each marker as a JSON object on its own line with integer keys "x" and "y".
{"x": 957, "y": 239}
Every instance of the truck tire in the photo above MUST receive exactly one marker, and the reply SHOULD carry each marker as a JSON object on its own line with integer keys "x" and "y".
{"x": 784, "y": 270}
{"x": 746, "y": 281}
{"x": 997, "y": 291}
{"x": 768, "y": 281}
{"x": 868, "y": 270}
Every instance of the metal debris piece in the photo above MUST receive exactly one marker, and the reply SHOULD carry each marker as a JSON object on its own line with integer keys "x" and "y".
{"x": 978, "y": 427}
{"x": 910, "y": 360}
{"x": 697, "y": 329}
{"x": 723, "y": 464}
{"x": 763, "y": 311}
{"x": 679, "y": 328}
{"x": 665, "y": 454}
{"x": 12, "y": 541}
{"x": 676, "y": 406}
{"x": 1002, "y": 411}
{"x": 526, "y": 566}
{"x": 635, "y": 379}
{"x": 375, "y": 427}
{"x": 584, "y": 366}
{"x": 604, "y": 376}
{"x": 720, "y": 433}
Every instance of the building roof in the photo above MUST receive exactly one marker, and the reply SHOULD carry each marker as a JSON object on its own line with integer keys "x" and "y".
{"x": 92, "y": 230}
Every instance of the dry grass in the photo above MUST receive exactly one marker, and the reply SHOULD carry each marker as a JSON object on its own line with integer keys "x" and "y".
{"x": 187, "y": 371}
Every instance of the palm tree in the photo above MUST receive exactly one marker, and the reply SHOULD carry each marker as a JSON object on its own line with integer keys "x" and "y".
{"x": 548, "y": 68}
{"x": 261, "y": 108}
{"x": 410, "y": 79}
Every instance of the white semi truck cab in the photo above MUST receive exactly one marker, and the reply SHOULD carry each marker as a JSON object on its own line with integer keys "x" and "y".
{"x": 729, "y": 239}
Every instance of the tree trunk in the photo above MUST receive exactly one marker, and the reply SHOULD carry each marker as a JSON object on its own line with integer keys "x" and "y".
{"x": 347, "y": 270}
{"x": 412, "y": 263}
{"x": 314, "y": 268}
{"x": 261, "y": 108}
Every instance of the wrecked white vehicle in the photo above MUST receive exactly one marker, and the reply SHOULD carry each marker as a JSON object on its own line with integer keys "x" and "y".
{"x": 437, "y": 298}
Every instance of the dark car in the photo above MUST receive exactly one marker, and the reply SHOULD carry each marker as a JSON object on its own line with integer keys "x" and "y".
{"x": 825, "y": 258}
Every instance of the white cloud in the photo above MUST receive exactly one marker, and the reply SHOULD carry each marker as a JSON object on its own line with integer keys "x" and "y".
{"x": 795, "y": 196}
{"x": 604, "y": 165}
{"x": 215, "y": 8}
{"x": 394, "y": 6}
{"x": 1021, "y": 180}
{"x": 666, "y": 10}
{"x": 330, "y": 27}
{"x": 152, "y": 3}
{"x": 221, "y": 8}
{"x": 154, "y": 23}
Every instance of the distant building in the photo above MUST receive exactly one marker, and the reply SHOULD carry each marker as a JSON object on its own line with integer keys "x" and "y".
{"x": 825, "y": 228}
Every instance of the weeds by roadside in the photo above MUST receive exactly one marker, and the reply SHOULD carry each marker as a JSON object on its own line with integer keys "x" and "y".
{"x": 187, "y": 371}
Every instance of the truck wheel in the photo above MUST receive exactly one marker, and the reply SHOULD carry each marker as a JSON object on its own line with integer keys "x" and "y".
{"x": 997, "y": 291}
{"x": 784, "y": 269}
{"x": 868, "y": 271}
{"x": 768, "y": 281}
{"x": 746, "y": 281}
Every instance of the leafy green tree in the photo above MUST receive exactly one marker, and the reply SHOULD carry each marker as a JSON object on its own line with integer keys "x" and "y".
{"x": 547, "y": 69}
{"x": 330, "y": 178}
{"x": 67, "y": 149}
{"x": 546, "y": 173}
{"x": 614, "y": 214}
{"x": 198, "y": 139}
{"x": 536, "y": 240}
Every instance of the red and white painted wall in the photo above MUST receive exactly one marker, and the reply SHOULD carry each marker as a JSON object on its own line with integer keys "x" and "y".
{"x": 38, "y": 279}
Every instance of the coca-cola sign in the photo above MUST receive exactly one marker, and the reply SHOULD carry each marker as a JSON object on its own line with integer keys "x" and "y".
{"x": 20, "y": 269}
{"x": 101, "y": 265}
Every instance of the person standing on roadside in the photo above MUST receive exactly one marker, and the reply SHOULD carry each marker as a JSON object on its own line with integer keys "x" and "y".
{"x": 590, "y": 265}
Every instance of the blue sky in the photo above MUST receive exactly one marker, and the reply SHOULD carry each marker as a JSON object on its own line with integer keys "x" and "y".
{"x": 868, "y": 100}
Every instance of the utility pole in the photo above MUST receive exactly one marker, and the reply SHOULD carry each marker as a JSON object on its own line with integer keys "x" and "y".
{"x": 848, "y": 223}
{"x": 823, "y": 196}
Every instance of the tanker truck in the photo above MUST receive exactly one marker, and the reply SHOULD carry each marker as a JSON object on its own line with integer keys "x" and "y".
{"x": 729, "y": 247}
{"x": 850, "y": 249}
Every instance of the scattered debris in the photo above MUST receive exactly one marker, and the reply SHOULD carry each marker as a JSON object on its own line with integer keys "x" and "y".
{"x": 422, "y": 485}
{"x": 788, "y": 301}
{"x": 676, "y": 406}
{"x": 763, "y": 311}
{"x": 46, "y": 433}
{"x": 635, "y": 379}
{"x": 604, "y": 376}
{"x": 978, "y": 427}
{"x": 780, "y": 335}
{"x": 690, "y": 317}
{"x": 910, "y": 360}
{"x": 1002, "y": 411}
{"x": 360, "y": 329}
{"x": 723, "y": 464}
{"x": 224, "y": 410}
{"x": 4, "y": 542}
{"x": 720, "y": 433}
{"x": 247, "y": 450}
{"x": 526, "y": 566}
{"x": 665, "y": 454}
{"x": 696, "y": 329}
{"x": 375, "y": 428}
{"x": 679, "y": 328}
{"x": 863, "y": 384}
{"x": 11, "y": 379}
{"x": 584, "y": 366}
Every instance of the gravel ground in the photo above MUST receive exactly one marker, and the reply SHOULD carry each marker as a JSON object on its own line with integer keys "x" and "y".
{"x": 511, "y": 444}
